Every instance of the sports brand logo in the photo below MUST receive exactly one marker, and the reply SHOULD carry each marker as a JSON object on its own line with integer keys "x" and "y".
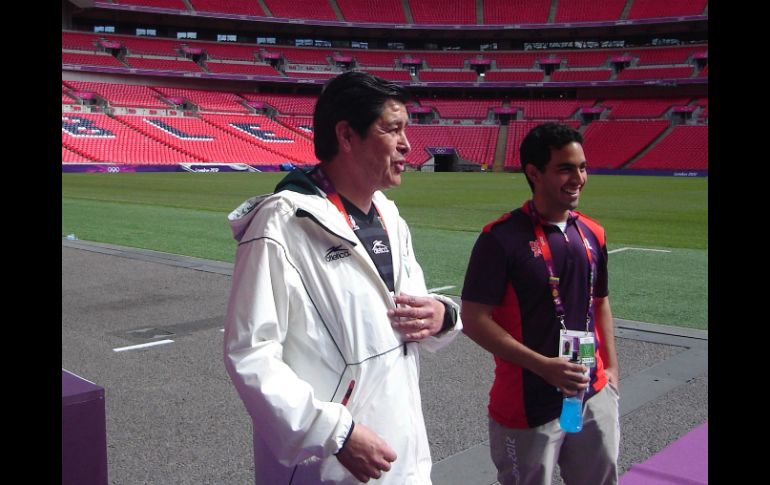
{"x": 336, "y": 252}
{"x": 535, "y": 247}
{"x": 379, "y": 248}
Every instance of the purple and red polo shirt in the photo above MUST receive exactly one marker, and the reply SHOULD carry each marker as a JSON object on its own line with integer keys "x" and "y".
{"x": 507, "y": 270}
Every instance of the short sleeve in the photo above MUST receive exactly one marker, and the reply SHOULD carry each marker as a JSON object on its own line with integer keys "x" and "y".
{"x": 486, "y": 276}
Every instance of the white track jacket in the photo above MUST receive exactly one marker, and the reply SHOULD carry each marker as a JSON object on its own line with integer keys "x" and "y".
{"x": 307, "y": 324}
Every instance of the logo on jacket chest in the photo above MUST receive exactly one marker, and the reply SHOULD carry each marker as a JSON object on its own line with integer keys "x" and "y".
{"x": 336, "y": 252}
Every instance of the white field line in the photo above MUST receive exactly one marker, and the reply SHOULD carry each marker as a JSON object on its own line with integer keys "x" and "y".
{"x": 440, "y": 288}
{"x": 638, "y": 249}
{"x": 143, "y": 346}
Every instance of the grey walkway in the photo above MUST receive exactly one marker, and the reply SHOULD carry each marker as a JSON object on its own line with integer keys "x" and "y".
{"x": 174, "y": 418}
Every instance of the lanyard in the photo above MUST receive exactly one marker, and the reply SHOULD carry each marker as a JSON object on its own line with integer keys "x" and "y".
{"x": 553, "y": 279}
{"x": 327, "y": 187}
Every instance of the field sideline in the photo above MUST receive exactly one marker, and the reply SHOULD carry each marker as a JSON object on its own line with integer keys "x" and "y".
{"x": 186, "y": 213}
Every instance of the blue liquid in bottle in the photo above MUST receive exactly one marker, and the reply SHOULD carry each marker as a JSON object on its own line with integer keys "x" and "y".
{"x": 571, "y": 419}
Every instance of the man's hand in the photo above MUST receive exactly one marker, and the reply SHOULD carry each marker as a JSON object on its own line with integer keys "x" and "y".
{"x": 422, "y": 316}
{"x": 365, "y": 454}
{"x": 567, "y": 377}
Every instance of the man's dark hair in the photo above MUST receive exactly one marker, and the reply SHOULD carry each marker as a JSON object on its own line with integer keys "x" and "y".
{"x": 536, "y": 147}
{"x": 355, "y": 97}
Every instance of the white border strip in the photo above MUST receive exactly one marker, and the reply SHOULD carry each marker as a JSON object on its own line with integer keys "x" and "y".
{"x": 143, "y": 346}
{"x": 638, "y": 249}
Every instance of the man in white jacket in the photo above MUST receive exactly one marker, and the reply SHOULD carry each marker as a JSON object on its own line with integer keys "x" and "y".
{"x": 328, "y": 306}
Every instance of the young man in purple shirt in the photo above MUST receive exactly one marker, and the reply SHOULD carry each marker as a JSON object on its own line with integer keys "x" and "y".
{"x": 536, "y": 284}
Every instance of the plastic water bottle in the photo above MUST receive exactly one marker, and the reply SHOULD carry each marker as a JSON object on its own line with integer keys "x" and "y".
{"x": 571, "y": 419}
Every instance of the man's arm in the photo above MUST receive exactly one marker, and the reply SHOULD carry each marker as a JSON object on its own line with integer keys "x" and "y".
{"x": 605, "y": 327}
{"x": 479, "y": 325}
{"x": 294, "y": 423}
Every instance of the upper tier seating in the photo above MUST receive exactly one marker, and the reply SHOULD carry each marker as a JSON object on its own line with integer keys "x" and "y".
{"x": 444, "y": 12}
{"x": 645, "y": 9}
{"x": 241, "y": 7}
{"x": 588, "y": 10}
{"x": 516, "y": 11}
{"x": 380, "y": 11}
{"x": 301, "y": 9}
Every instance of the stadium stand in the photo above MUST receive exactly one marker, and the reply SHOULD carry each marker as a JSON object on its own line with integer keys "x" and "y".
{"x": 704, "y": 72}
{"x": 162, "y": 64}
{"x": 240, "y": 7}
{"x": 380, "y": 11}
{"x": 444, "y": 12}
{"x": 302, "y": 125}
{"x": 645, "y": 9}
{"x": 518, "y": 76}
{"x": 654, "y": 73}
{"x": 228, "y": 52}
{"x": 267, "y": 135}
{"x": 104, "y": 139}
{"x": 90, "y": 59}
{"x": 517, "y": 130}
{"x": 449, "y": 60}
{"x": 312, "y": 74}
{"x": 398, "y": 75}
{"x": 232, "y": 68}
{"x": 79, "y": 41}
{"x": 299, "y": 55}
{"x": 301, "y": 9}
{"x": 581, "y": 75}
{"x": 448, "y": 76}
{"x": 287, "y": 104}
{"x": 474, "y": 143}
{"x": 372, "y": 59}
{"x": 207, "y": 100}
{"x": 122, "y": 94}
{"x": 610, "y": 144}
{"x": 516, "y": 11}
{"x": 588, "y": 10}
{"x": 550, "y": 109}
{"x": 641, "y": 108}
{"x": 663, "y": 55}
{"x": 69, "y": 156}
{"x": 684, "y": 148}
{"x": 515, "y": 60}
{"x": 171, "y": 4}
{"x": 461, "y": 108}
{"x": 148, "y": 46}
{"x": 587, "y": 59}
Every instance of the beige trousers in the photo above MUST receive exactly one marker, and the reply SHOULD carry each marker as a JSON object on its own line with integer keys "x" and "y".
{"x": 528, "y": 456}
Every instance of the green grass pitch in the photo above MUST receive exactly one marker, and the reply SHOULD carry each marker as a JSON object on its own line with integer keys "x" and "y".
{"x": 185, "y": 213}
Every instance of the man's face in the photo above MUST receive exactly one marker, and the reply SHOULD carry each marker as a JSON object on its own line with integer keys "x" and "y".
{"x": 557, "y": 188}
{"x": 381, "y": 155}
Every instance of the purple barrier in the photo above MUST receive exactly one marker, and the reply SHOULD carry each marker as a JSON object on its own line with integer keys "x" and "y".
{"x": 412, "y": 61}
{"x": 418, "y": 109}
{"x": 549, "y": 60}
{"x": 684, "y": 462}
{"x": 593, "y": 109}
{"x": 271, "y": 55}
{"x": 83, "y": 432}
{"x": 342, "y": 59}
{"x": 480, "y": 62}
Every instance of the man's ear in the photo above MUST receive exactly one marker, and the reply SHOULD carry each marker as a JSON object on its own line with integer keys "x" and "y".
{"x": 344, "y": 135}
{"x": 532, "y": 173}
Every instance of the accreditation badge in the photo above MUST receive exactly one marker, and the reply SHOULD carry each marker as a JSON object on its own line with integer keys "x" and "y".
{"x": 578, "y": 345}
